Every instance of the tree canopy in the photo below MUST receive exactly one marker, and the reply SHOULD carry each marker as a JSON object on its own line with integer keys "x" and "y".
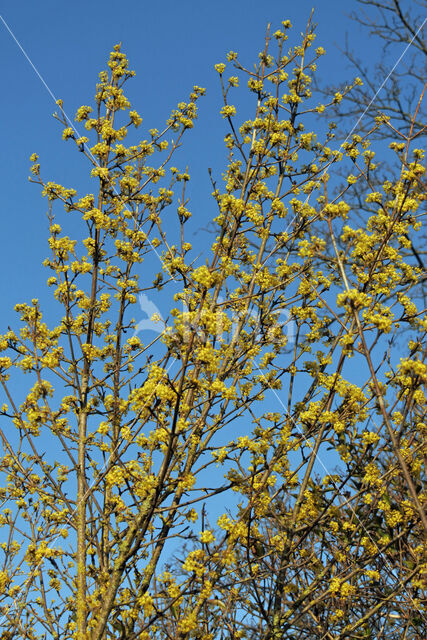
{"x": 256, "y": 470}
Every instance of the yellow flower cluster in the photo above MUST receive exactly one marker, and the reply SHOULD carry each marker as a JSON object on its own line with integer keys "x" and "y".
{"x": 207, "y": 536}
{"x": 228, "y": 111}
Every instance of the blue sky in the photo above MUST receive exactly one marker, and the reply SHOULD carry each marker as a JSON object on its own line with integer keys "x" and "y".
{"x": 172, "y": 46}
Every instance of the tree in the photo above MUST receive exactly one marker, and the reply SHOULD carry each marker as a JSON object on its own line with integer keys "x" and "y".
{"x": 120, "y": 449}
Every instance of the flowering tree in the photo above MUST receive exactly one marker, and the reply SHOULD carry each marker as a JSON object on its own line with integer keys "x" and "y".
{"x": 120, "y": 451}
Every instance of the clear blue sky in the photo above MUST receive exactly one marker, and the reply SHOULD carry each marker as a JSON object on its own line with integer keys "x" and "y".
{"x": 171, "y": 45}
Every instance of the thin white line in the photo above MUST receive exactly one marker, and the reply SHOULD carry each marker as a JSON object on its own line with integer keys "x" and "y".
{"x": 295, "y": 216}
{"x": 28, "y": 58}
{"x": 366, "y": 109}
{"x": 387, "y": 77}
{"x": 70, "y": 122}
{"x": 349, "y": 134}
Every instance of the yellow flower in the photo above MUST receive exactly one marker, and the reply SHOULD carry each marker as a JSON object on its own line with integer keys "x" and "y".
{"x": 67, "y": 133}
{"x": 135, "y": 118}
{"x": 83, "y": 113}
{"x": 188, "y": 623}
{"x": 228, "y": 111}
{"x": 207, "y": 536}
{"x": 334, "y": 585}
